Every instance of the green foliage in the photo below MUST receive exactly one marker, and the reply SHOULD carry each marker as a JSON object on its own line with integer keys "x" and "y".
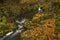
{"x": 4, "y": 11}
{"x": 57, "y": 8}
{"x": 46, "y": 38}
{"x": 9, "y": 10}
{"x": 15, "y": 10}
{"x": 58, "y": 24}
{"x": 58, "y": 16}
{"x": 3, "y": 25}
{"x": 57, "y": 11}
{"x": 26, "y": 25}
{"x": 4, "y": 19}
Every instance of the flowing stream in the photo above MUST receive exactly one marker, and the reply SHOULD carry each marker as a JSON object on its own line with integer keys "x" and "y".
{"x": 15, "y": 35}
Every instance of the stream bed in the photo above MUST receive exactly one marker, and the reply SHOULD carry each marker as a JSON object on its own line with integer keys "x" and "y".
{"x": 15, "y": 35}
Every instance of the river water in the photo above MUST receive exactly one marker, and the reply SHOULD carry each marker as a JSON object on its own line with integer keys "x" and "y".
{"x": 15, "y": 35}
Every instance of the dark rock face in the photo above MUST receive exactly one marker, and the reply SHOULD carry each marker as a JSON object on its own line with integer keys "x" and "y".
{"x": 1, "y": 1}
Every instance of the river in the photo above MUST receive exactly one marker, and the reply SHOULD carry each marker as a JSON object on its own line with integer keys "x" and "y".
{"x": 15, "y": 35}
